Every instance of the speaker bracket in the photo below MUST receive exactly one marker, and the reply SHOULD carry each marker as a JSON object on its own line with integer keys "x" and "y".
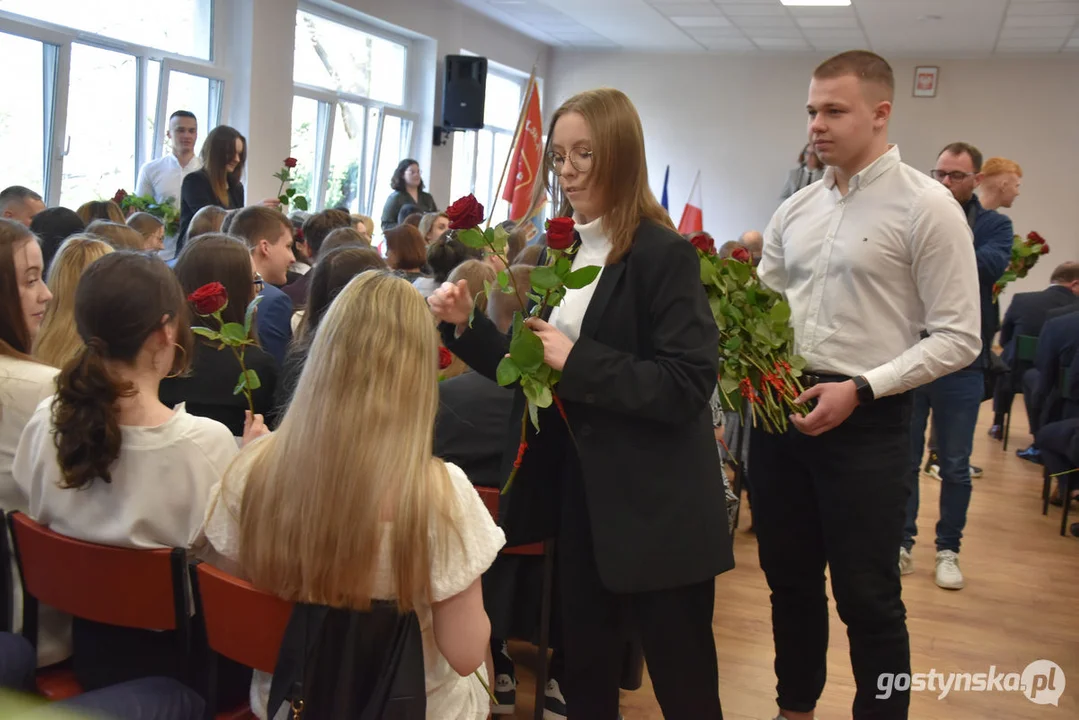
{"x": 441, "y": 133}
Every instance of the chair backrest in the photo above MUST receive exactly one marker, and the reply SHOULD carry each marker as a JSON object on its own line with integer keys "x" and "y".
{"x": 490, "y": 498}
{"x": 143, "y": 589}
{"x": 242, "y": 622}
{"x": 1026, "y": 347}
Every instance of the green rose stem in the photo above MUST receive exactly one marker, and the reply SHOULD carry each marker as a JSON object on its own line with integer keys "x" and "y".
{"x": 243, "y": 368}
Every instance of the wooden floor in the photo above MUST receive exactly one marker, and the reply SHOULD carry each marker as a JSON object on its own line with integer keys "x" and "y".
{"x": 1020, "y": 604}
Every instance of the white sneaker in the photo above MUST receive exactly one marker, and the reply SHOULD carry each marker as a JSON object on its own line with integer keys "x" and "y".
{"x": 906, "y": 562}
{"x": 948, "y": 575}
{"x": 934, "y": 472}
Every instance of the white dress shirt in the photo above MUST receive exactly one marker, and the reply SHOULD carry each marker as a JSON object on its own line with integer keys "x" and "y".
{"x": 866, "y": 273}
{"x": 163, "y": 178}
{"x": 594, "y": 249}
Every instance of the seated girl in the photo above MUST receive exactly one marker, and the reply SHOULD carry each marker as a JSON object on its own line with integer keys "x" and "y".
{"x": 106, "y": 462}
{"x": 345, "y": 504}
{"x": 206, "y": 387}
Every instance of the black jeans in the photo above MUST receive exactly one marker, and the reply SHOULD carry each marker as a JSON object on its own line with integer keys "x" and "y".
{"x": 837, "y": 500}
{"x": 674, "y": 627}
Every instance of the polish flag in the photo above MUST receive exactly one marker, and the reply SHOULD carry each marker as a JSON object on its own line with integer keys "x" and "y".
{"x": 692, "y": 218}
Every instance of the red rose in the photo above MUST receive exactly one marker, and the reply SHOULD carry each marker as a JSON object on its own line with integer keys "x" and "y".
{"x": 1045, "y": 248}
{"x": 445, "y": 358}
{"x": 740, "y": 254}
{"x": 703, "y": 242}
{"x": 465, "y": 213}
{"x": 290, "y": 162}
{"x": 1036, "y": 238}
{"x": 118, "y": 198}
{"x": 560, "y": 233}
{"x": 209, "y": 298}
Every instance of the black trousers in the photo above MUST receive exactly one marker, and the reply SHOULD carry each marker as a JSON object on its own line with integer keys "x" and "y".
{"x": 673, "y": 625}
{"x": 837, "y": 500}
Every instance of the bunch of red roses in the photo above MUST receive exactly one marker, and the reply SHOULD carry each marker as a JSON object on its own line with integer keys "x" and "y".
{"x": 1025, "y": 254}
{"x": 547, "y": 288}
{"x": 757, "y": 363}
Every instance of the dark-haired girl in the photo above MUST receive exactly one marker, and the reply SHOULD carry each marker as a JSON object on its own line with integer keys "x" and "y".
{"x": 407, "y": 184}
{"x": 107, "y": 462}
{"x": 218, "y": 182}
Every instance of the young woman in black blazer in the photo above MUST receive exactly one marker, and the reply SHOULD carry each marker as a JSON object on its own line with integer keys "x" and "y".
{"x": 224, "y": 153}
{"x": 637, "y": 504}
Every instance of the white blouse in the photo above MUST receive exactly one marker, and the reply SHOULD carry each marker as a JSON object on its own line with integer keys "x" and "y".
{"x": 449, "y": 696}
{"x": 160, "y": 482}
{"x": 594, "y": 249}
{"x": 23, "y": 385}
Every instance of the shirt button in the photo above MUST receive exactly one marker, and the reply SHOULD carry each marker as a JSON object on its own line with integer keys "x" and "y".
{"x": 586, "y": 430}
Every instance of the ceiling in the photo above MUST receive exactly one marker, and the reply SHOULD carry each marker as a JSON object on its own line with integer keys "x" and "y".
{"x": 942, "y": 28}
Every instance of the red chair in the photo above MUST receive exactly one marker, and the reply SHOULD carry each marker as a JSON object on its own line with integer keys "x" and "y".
{"x": 490, "y": 497}
{"x": 242, "y": 623}
{"x": 142, "y": 589}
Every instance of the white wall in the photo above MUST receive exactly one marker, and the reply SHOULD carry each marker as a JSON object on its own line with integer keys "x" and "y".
{"x": 259, "y": 53}
{"x": 741, "y": 121}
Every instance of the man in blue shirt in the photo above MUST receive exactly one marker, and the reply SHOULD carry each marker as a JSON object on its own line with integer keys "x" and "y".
{"x": 268, "y": 234}
{"x": 956, "y": 398}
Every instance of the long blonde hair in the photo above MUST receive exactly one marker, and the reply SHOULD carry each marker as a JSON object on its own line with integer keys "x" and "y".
{"x": 320, "y": 487}
{"x": 58, "y": 341}
{"x": 619, "y": 169}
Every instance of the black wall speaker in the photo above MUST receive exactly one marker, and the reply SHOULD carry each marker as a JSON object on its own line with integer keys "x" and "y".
{"x": 463, "y": 92}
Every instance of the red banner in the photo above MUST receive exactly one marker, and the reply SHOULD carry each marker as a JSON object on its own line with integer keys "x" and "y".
{"x": 525, "y": 162}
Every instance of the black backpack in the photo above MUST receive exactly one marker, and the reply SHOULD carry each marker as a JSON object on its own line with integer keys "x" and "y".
{"x": 337, "y": 664}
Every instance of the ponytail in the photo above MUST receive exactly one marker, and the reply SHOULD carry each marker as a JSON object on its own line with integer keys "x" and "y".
{"x": 84, "y": 414}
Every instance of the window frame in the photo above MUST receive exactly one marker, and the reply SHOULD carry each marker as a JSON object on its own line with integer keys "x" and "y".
{"x": 328, "y": 101}
{"x": 57, "y": 42}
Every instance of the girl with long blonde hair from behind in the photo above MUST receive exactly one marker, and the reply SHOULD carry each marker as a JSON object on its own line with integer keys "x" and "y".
{"x": 58, "y": 341}
{"x": 345, "y": 503}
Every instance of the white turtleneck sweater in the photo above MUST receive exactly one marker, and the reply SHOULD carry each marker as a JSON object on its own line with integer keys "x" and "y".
{"x": 594, "y": 249}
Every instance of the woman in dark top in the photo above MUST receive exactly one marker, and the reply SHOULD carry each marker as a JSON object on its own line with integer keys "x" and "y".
{"x": 206, "y": 389}
{"x": 407, "y": 184}
{"x": 331, "y": 273}
{"x": 635, "y": 496}
{"x": 406, "y": 253}
{"x": 218, "y": 182}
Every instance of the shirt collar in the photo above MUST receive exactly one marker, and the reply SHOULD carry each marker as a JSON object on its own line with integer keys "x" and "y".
{"x": 869, "y": 173}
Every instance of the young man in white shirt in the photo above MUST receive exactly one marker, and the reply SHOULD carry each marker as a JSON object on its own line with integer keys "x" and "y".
{"x": 868, "y": 257}
{"x": 163, "y": 178}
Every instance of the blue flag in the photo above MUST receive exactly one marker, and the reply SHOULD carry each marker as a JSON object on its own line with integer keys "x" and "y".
{"x": 663, "y": 200}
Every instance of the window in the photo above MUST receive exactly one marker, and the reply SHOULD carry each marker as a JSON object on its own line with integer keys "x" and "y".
{"x": 100, "y": 156}
{"x": 350, "y": 127}
{"x": 92, "y": 110}
{"x": 183, "y": 27}
{"x": 480, "y": 155}
{"x": 22, "y": 115}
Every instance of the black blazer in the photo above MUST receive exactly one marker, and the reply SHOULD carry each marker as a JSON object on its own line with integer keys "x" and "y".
{"x": 206, "y": 389}
{"x": 636, "y": 388}
{"x": 400, "y": 198}
{"x": 195, "y": 194}
{"x": 1027, "y": 314}
{"x": 470, "y": 429}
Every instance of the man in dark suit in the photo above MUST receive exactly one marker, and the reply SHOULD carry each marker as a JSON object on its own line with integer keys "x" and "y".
{"x": 268, "y": 234}
{"x": 1057, "y": 347}
{"x": 1026, "y": 315}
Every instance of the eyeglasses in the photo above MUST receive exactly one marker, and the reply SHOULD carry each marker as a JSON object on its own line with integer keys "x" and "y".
{"x": 579, "y": 158}
{"x": 955, "y": 175}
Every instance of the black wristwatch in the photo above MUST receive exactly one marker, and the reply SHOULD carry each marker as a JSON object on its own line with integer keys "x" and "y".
{"x": 865, "y": 392}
